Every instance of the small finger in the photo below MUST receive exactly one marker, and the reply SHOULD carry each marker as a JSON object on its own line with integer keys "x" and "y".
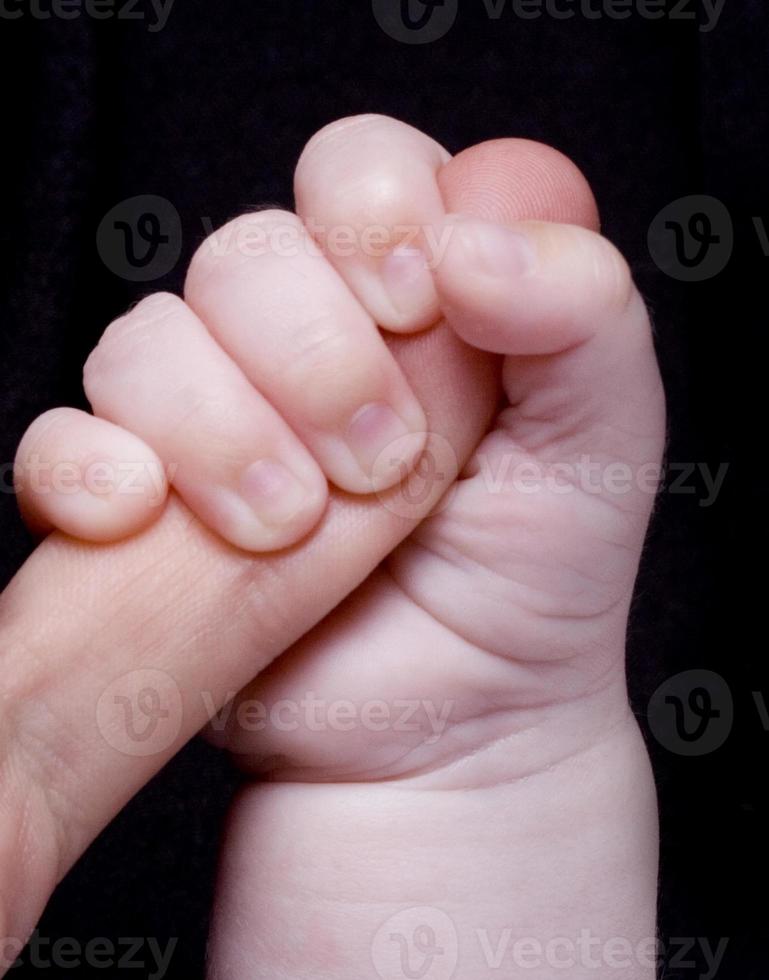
{"x": 367, "y": 189}
{"x": 230, "y": 455}
{"x": 289, "y": 321}
{"x": 87, "y": 477}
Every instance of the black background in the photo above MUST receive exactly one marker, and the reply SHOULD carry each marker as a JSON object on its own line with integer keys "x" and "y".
{"x": 211, "y": 113}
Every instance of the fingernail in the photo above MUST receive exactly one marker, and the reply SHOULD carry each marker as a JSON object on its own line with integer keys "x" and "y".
{"x": 494, "y": 250}
{"x": 272, "y": 491}
{"x": 409, "y": 283}
{"x": 383, "y": 444}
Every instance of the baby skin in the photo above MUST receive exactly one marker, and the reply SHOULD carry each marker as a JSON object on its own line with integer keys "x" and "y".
{"x": 407, "y": 443}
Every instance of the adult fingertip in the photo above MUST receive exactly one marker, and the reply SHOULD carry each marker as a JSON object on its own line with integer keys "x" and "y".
{"x": 505, "y": 180}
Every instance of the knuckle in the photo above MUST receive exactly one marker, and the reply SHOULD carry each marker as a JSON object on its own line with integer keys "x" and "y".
{"x": 196, "y": 418}
{"x": 242, "y": 241}
{"x": 43, "y": 440}
{"x": 125, "y": 337}
{"x": 367, "y": 176}
{"x": 317, "y": 345}
{"x": 380, "y": 197}
{"x": 348, "y": 171}
{"x": 42, "y": 431}
{"x": 323, "y": 371}
{"x": 331, "y": 137}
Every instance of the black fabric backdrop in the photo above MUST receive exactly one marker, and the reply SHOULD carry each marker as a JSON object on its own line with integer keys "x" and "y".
{"x": 211, "y": 112}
